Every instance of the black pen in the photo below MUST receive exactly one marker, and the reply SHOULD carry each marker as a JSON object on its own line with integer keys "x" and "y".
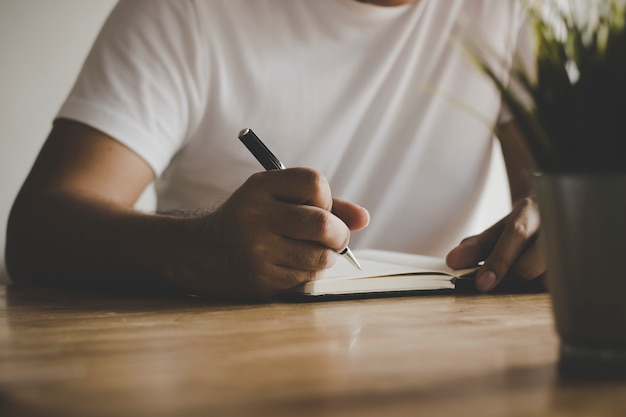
{"x": 270, "y": 162}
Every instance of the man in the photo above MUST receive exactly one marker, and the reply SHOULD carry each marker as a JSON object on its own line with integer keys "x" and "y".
{"x": 339, "y": 88}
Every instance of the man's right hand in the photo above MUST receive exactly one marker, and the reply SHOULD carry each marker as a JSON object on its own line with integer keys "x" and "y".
{"x": 276, "y": 231}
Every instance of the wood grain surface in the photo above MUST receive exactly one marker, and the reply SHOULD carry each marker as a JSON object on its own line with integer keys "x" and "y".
{"x": 68, "y": 353}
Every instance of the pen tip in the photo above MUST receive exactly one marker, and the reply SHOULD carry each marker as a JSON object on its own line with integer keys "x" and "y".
{"x": 243, "y": 131}
{"x": 348, "y": 254}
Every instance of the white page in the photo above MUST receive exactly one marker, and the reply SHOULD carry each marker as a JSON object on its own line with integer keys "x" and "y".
{"x": 384, "y": 263}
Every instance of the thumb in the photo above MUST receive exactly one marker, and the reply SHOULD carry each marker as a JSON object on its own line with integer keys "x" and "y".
{"x": 353, "y": 215}
{"x": 474, "y": 249}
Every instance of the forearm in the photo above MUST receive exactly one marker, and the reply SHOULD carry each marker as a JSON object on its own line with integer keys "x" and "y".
{"x": 63, "y": 239}
{"x": 519, "y": 162}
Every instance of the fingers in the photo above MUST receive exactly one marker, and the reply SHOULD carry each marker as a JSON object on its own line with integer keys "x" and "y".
{"x": 283, "y": 264}
{"x": 282, "y": 224}
{"x": 284, "y": 278}
{"x": 286, "y": 228}
{"x": 309, "y": 187}
{"x": 530, "y": 265}
{"x": 474, "y": 249}
{"x": 311, "y": 224}
{"x": 514, "y": 249}
{"x": 297, "y": 186}
{"x": 304, "y": 260}
{"x": 292, "y": 262}
{"x": 300, "y": 208}
{"x": 267, "y": 283}
{"x": 508, "y": 248}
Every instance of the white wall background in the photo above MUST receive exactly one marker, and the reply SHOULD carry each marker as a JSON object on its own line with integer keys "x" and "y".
{"x": 42, "y": 46}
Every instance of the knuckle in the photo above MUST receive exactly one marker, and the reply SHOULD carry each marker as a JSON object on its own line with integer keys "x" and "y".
{"x": 316, "y": 180}
{"x": 521, "y": 229}
{"x": 258, "y": 252}
{"x": 321, "y": 222}
{"x": 313, "y": 275}
{"x": 317, "y": 185}
{"x": 256, "y": 178}
{"x": 526, "y": 203}
{"x": 325, "y": 259}
{"x": 296, "y": 278}
{"x": 291, "y": 280}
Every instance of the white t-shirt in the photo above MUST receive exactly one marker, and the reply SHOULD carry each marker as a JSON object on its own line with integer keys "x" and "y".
{"x": 367, "y": 95}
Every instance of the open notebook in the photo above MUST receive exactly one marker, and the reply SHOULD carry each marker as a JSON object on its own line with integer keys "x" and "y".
{"x": 385, "y": 272}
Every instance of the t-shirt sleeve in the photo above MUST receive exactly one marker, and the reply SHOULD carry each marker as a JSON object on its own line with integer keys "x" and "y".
{"x": 145, "y": 79}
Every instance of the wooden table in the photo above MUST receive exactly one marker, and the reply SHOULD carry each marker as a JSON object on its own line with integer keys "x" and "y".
{"x": 83, "y": 354}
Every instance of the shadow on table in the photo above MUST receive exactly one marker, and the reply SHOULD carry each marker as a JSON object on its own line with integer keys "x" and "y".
{"x": 23, "y": 297}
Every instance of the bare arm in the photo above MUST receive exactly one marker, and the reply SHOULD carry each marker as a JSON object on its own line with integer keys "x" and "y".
{"x": 519, "y": 162}
{"x": 73, "y": 223}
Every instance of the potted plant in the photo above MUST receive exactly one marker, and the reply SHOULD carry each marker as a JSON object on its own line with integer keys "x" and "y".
{"x": 571, "y": 109}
